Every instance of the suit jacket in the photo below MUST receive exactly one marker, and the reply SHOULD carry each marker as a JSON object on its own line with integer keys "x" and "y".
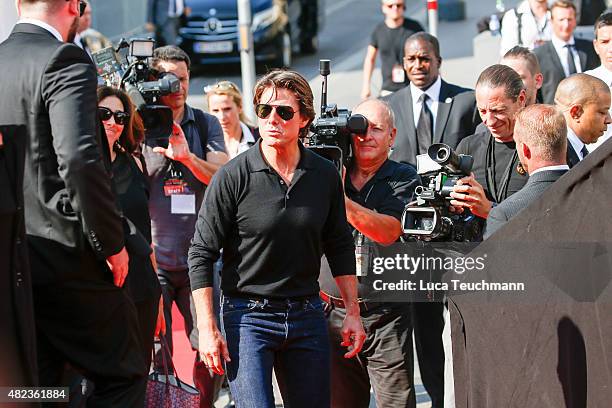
{"x": 18, "y": 365}
{"x": 536, "y": 185}
{"x": 572, "y": 157}
{"x": 552, "y": 70}
{"x": 457, "y": 117}
{"x": 51, "y": 89}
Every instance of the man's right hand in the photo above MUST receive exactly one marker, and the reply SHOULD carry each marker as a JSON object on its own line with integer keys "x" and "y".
{"x": 150, "y": 27}
{"x": 365, "y": 93}
{"x": 118, "y": 265}
{"x": 212, "y": 347}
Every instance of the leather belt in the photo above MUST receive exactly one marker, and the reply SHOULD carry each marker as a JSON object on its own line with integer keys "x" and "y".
{"x": 339, "y": 303}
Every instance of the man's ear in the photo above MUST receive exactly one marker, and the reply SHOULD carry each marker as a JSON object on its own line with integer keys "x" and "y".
{"x": 576, "y": 112}
{"x": 526, "y": 151}
{"x": 539, "y": 80}
{"x": 392, "y": 137}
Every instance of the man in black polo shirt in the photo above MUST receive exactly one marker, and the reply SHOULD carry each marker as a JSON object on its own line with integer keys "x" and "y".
{"x": 376, "y": 191}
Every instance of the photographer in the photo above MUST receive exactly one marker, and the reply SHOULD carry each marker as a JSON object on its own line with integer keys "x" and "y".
{"x": 179, "y": 174}
{"x": 376, "y": 191}
{"x": 497, "y": 173}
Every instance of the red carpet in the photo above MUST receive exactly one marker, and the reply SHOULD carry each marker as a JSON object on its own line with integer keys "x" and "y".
{"x": 183, "y": 355}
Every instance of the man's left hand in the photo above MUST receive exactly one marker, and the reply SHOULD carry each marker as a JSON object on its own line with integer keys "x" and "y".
{"x": 353, "y": 335}
{"x": 177, "y": 149}
{"x": 468, "y": 193}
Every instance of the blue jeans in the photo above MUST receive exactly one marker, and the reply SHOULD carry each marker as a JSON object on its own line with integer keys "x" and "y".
{"x": 289, "y": 335}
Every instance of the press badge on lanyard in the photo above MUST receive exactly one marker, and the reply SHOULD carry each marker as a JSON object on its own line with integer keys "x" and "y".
{"x": 182, "y": 199}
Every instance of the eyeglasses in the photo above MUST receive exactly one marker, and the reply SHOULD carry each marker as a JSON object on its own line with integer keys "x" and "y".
{"x": 285, "y": 112}
{"x": 221, "y": 86}
{"x": 395, "y": 5}
{"x": 121, "y": 118}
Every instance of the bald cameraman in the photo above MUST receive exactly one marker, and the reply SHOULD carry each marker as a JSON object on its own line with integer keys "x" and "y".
{"x": 376, "y": 191}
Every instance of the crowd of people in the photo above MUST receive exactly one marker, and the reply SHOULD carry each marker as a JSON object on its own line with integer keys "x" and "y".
{"x": 261, "y": 243}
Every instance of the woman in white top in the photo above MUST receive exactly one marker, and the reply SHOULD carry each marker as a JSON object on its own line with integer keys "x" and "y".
{"x": 225, "y": 102}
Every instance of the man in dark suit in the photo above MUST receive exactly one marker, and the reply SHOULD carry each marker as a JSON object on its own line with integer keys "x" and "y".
{"x": 73, "y": 228}
{"x": 584, "y": 101}
{"x": 539, "y": 134}
{"x": 564, "y": 55}
{"x": 449, "y": 112}
{"x": 163, "y": 18}
{"x": 18, "y": 365}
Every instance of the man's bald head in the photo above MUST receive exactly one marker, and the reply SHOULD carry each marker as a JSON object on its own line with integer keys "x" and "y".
{"x": 579, "y": 89}
{"x": 371, "y": 105}
{"x": 585, "y": 103}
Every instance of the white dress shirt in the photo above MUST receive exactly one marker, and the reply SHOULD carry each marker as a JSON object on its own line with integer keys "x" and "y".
{"x": 532, "y": 30}
{"x": 602, "y": 73}
{"x": 562, "y": 50}
{"x": 180, "y": 7}
{"x": 44, "y": 25}
{"x": 546, "y": 168}
{"x": 432, "y": 103}
{"x": 575, "y": 142}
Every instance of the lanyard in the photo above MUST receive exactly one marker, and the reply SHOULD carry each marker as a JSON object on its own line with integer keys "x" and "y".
{"x": 502, "y": 193}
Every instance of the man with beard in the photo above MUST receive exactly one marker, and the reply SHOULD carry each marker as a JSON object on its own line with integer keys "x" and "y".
{"x": 73, "y": 228}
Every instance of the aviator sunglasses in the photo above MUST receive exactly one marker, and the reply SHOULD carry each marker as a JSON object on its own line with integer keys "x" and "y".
{"x": 263, "y": 110}
{"x": 121, "y": 118}
{"x": 82, "y": 7}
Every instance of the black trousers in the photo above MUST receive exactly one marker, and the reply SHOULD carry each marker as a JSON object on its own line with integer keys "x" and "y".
{"x": 83, "y": 319}
{"x": 385, "y": 361}
{"x": 428, "y": 322}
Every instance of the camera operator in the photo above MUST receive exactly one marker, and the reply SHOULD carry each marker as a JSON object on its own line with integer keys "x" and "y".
{"x": 497, "y": 173}
{"x": 179, "y": 174}
{"x": 376, "y": 191}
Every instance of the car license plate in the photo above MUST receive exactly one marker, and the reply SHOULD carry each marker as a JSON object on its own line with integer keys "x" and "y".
{"x": 213, "y": 47}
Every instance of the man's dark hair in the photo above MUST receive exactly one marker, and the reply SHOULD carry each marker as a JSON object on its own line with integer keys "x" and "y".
{"x": 170, "y": 53}
{"x": 524, "y": 54}
{"x": 293, "y": 81}
{"x": 426, "y": 38}
{"x": 497, "y": 76}
{"x": 604, "y": 20}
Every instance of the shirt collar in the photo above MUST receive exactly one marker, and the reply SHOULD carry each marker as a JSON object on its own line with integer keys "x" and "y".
{"x": 256, "y": 161}
{"x": 550, "y": 168}
{"x": 247, "y": 136}
{"x": 43, "y": 25}
{"x": 188, "y": 115}
{"x": 77, "y": 40}
{"x": 602, "y": 73}
{"x": 433, "y": 91}
{"x": 576, "y": 143}
{"x": 559, "y": 44}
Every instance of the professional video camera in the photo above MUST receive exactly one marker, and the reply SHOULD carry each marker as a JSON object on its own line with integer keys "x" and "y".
{"x": 430, "y": 218}
{"x": 143, "y": 84}
{"x": 331, "y": 132}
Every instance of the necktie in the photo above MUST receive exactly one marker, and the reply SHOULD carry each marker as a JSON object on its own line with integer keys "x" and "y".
{"x": 570, "y": 60}
{"x": 584, "y": 152}
{"x": 424, "y": 125}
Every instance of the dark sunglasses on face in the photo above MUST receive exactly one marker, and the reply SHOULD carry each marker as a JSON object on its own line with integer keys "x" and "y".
{"x": 121, "y": 118}
{"x": 392, "y": 5}
{"x": 264, "y": 110}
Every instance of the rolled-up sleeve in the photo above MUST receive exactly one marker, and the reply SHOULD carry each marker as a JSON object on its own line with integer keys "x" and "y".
{"x": 215, "y": 218}
{"x": 338, "y": 243}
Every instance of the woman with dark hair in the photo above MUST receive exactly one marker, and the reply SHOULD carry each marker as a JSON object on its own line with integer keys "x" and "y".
{"x": 274, "y": 211}
{"x": 123, "y": 133}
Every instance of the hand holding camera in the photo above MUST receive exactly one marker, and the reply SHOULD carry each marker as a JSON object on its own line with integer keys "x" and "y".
{"x": 469, "y": 193}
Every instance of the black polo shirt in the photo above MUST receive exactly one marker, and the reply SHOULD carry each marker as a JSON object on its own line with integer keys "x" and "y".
{"x": 499, "y": 159}
{"x": 387, "y": 192}
{"x": 272, "y": 235}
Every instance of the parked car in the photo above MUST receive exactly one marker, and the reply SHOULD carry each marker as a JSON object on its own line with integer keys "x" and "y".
{"x": 209, "y": 32}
